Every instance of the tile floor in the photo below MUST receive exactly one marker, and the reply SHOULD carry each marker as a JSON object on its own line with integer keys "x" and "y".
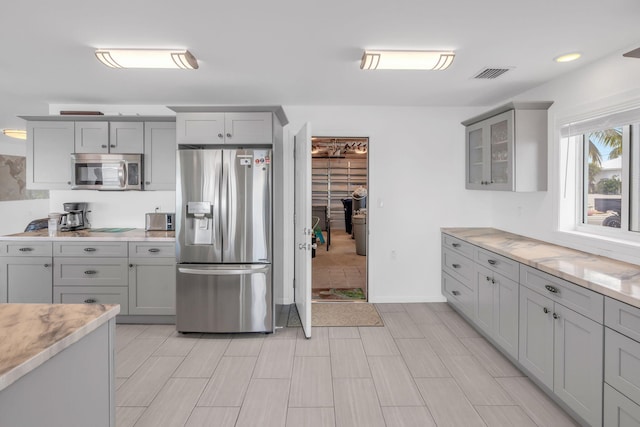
{"x": 339, "y": 267}
{"x": 425, "y": 367}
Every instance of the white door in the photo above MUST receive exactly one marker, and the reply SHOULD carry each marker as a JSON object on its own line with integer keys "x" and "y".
{"x": 302, "y": 227}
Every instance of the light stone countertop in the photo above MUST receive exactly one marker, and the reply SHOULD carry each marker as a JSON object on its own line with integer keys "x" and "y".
{"x": 31, "y": 334}
{"x": 137, "y": 234}
{"x": 616, "y": 279}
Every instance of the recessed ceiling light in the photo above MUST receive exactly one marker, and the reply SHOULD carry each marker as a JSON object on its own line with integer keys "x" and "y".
{"x": 15, "y": 133}
{"x": 147, "y": 58}
{"x": 568, "y": 57}
{"x": 406, "y": 60}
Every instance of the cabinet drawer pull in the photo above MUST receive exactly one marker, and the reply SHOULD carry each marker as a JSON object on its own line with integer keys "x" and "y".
{"x": 154, "y": 250}
{"x": 113, "y": 145}
{"x": 551, "y": 289}
{"x": 89, "y": 249}
{"x": 103, "y": 146}
{"x": 455, "y": 265}
{"x": 90, "y": 301}
{"x": 455, "y": 292}
{"x": 455, "y": 245}
{"x": 545, "y": 310}
{"x": 492, "y": 261}
{"x": 90, "y": 272}
{"x": 25, "y": 249}
{"x": 556, "y": 316}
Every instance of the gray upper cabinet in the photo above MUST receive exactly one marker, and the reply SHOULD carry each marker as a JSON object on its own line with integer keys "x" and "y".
{"x": 160, "y": 156}
{"x": 49, "y": 148}
{"x": 211, "y": 128}
{"x": 506, "y": 148}
{"x": 109, "y": 137}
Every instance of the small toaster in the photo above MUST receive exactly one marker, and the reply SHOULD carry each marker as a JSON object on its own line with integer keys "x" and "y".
{"x": 160, "y": 221}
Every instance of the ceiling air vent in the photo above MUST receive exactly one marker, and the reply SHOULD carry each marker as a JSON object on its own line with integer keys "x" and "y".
{"x": 635, "y": 53}
{"x": 490, "y": 73}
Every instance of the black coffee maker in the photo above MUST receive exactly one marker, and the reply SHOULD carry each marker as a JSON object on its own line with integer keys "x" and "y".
{"x": 76, "y": 216}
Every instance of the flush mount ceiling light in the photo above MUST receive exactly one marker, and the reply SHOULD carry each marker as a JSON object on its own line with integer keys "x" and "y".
{"x": 406, "y": 60}
{"x": 568, "y": 57}
{"x": 147, "y": 58}
{"x": 15, "y": 133}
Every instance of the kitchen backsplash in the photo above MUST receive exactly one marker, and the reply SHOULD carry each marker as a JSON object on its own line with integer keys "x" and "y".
{"x": 115, "y": 208}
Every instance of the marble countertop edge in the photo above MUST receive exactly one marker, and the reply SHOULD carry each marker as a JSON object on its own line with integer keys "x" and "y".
{"x": 616, "y": 279}
{"x": 134, "y": 235}
{"x": 40, "y": 358}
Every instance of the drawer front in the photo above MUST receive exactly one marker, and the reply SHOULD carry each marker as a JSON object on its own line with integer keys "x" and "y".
{"x": 457, "y": 245}
{"x": 575, "y": 297}
{"x": 90, "y": 249}
{"x": 459, "y": 295}
{"x": 502, "y": 265}
{"x": 94, "y": 272}
{"x": 622, "y": 317}
{"x": 458, "y": 266}
{"x": 16, "y": 248}
{"x": 152, "y": 250}
{"x": 92, "y": 295}
{"x": 619, "y": 411}
{"x": 622, "y": 364}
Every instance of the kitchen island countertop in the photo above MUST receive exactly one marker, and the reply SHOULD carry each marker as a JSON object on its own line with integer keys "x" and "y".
{"x": 136, "y": 234}
{"x": 31, "y": 334}
{"x": 616, "y": 279}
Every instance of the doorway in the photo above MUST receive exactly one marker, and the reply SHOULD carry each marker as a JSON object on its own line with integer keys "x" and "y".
{"x": 339, "y": 186}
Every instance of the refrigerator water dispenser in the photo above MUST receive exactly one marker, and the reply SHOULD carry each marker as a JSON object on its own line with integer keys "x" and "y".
{"x": 199, "y": 223}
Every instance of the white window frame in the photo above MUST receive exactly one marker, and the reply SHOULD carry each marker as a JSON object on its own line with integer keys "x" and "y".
{"x": 574, "y": 126}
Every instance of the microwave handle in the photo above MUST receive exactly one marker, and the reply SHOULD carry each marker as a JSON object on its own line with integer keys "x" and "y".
{"x": 122, "y": 174}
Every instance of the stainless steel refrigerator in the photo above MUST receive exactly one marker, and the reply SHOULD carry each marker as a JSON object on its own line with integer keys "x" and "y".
{"x": 223, "y": 240}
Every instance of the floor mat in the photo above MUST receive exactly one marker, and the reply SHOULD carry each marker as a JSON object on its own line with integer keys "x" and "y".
{"x": 345, "y": 294}
{"x": 338, "y": 314}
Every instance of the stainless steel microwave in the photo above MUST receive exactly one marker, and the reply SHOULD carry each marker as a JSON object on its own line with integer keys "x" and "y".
{"x": 106, "y": 171}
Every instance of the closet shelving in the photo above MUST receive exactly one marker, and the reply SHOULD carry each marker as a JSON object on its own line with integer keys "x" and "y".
{"x": 335, "y": 177}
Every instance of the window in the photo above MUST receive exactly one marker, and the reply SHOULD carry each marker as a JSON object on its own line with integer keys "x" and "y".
{"x": 604, "y": 155}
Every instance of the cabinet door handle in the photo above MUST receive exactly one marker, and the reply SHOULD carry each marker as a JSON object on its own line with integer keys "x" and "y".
{"x": 103, "y": 146}
{"x": 455, "y": 265}
{"x": 455, "y": 245}
{"x": 25, "y": 249}
{"x": 90, "y": 301}
{"x": 113, "y": 145}
{"x": 46, "y": 266}
{"x": 493, "y": 281}
{"x": 455, "y": 292}
{"x": 551, "y": 289}
{"x": 89, "y": 249}
{"x": 130, "y": 265}
{"x": 154, "y": 250}
{"x": 556, "y": 316}
{"x": 228, "y": 135}
{"x": 492, "y": 261}
{"x": 488, "y": 278}
{"x": 90, "y": 272}
{"x": 545, "y": 310}
{"x": 220, "y": 135}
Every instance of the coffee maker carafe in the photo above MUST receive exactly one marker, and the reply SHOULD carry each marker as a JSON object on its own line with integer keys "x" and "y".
{"x": 76, "y": 218}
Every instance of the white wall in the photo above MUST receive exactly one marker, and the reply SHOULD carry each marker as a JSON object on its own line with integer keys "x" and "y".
{"x": 609, "y": 81}
{"x": 416, "y": 186}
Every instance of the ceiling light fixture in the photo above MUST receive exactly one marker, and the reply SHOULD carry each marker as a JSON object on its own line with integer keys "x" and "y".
{"x": 15, "y": 133}
{"x": 568, "y": 57}
{"x": 147, "y": 58}
{"x": 406, "y": 60}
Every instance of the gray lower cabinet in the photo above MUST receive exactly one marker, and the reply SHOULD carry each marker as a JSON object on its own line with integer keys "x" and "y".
{"x": 497, "y": 308}
{"x": 26, "y": 272}
{"x": 619, "y": 411}
{"x": 92, "y": 295}
{"x": 563, "y": 350}
{"x": 152, "y": 286}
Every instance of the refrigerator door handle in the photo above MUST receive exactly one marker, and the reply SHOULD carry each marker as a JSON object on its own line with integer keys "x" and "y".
{"x": 224, "y": 271}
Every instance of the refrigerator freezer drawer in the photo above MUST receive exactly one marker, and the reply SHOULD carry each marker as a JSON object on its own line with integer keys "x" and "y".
{"x": 224, "y": 298}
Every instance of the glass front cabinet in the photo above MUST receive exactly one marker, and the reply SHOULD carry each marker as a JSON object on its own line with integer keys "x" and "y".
{"x": 506, "y": 148}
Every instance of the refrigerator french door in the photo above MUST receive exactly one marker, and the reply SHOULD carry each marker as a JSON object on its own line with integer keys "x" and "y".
{"x": 223, "y": 240}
